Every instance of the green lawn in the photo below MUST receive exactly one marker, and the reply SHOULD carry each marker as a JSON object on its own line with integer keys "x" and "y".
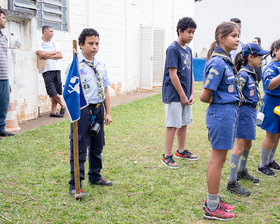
{"x": 34, "y": 175}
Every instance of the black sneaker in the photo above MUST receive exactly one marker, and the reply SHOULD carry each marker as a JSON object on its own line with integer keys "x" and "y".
{"x": 6, "y": 134}
{"x": 56, "y": 115}
{"x": 274, "y": 166}
{"x": 186, "y": 154}
{"x": 234, "y": 187}
{"x": 243, "y": 174}
{"x": 169, "y": 162}
{"x": 102, "y": 182}
{"x": 266, "y": 171}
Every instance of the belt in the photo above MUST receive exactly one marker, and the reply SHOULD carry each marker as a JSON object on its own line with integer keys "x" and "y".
{"x": 278, "y": 97}
{"x": 250, "y": 105}
{"x": 95, "y": 105}
{"x": 238, "y": 103}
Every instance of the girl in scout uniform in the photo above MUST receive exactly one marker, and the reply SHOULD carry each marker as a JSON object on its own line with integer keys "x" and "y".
{"x": 246, "y": 61}
{"x": 223, "y": 93}
{"x": 271, "y": 122}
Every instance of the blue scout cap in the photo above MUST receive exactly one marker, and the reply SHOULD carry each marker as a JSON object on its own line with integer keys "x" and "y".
{"x": 252, "y": 48}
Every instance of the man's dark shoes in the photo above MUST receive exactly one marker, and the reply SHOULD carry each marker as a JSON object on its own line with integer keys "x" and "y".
{"x": 243, "y": 174}
{"x": 73, "y": 192}
{"x": 274, "y": 166}
{"x": 102, "y": 182}
{"x": 55, "y": 115}
{"x": 266, "y": 171}
{"x": 234, "y": 187}
{"x": 6, "y": 134}
{"x": 62, "y": 111}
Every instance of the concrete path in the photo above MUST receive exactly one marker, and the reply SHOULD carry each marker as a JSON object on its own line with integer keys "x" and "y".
{"x": 45, "y": 119}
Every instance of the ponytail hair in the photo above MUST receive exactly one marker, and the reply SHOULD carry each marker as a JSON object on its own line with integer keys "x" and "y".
{"x": 209, "y": 53}
{"x": 211, "y": 49}
{"x": 239, "y": 61}
{"x": 274, "y": 45}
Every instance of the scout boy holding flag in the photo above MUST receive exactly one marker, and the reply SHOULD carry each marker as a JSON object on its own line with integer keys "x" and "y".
{"x": 90, "y": 85}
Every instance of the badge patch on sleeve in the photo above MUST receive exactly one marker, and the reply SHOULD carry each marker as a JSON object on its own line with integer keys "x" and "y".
{"x": 252, "y": 85}
{"x": 252, "y": 92}
{"x": 207, "y": 82}
{"x": 269, "y": 70}
{"x": 231, "y": 77}
{"x": 212, "y": 70}
{"x": 230, "y": 88}
{"x": 210, "y": 76}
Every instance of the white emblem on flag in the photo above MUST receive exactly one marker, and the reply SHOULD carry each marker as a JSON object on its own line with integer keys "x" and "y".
{"x": 75, "y": 88}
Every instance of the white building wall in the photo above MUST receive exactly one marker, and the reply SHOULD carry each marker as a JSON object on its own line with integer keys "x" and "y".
{"x": 118, "y": 23}
{"x": 259, "y": 18}
{"x": 4, "y": 4}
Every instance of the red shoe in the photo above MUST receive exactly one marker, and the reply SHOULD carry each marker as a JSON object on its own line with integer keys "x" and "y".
{"x": 169, "y": 162}
{"x": 186, "y": 154}
{"x": 224, "y": 205}
{"x": 219, "y": 214}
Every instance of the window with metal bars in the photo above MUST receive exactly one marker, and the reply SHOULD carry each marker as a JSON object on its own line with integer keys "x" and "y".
{"x": 49, "y": 12}
{"x": 27, "y": 6}
{"x": 52, "y": 13}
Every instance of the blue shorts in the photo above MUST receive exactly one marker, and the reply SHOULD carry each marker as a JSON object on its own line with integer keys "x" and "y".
{"x": 221, "y": 121}
{"x": 246, "y": 127}
{"x": 271, "y": 121}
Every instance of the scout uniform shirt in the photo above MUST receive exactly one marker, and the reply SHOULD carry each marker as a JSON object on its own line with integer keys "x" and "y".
{"x": 249, "y": 85}
{"x": 220, "y": 78}
{"x": 271, "y": 71}
{"x": 89, "y": 81}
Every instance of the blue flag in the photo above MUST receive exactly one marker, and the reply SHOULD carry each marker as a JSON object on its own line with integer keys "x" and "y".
{"x": 73, "y": 92}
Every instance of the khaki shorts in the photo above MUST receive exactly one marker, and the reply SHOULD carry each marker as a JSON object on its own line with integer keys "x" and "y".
{"x": 177, "y": 115}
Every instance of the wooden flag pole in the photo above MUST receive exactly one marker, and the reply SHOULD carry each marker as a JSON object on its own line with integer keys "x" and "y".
{"x": 78, "y": 194}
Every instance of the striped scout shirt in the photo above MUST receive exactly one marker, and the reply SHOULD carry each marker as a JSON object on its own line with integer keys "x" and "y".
{"x": 3, "y": 57}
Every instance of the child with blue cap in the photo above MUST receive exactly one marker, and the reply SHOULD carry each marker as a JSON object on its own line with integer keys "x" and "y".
{"x": 246, "y": 61}
{"x": 271, "y": 122}
{"x": 223, "y": 93}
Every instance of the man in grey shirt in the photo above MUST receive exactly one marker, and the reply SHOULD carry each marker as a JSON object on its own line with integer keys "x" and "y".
{"x": 5, "y": 87}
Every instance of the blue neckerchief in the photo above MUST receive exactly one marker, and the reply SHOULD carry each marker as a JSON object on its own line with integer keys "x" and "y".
{"x": 247, "y": 68}
{"x": 251, "y": 72}
{"x": 274, "y": 59}
{"x": 218, "y": 51}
